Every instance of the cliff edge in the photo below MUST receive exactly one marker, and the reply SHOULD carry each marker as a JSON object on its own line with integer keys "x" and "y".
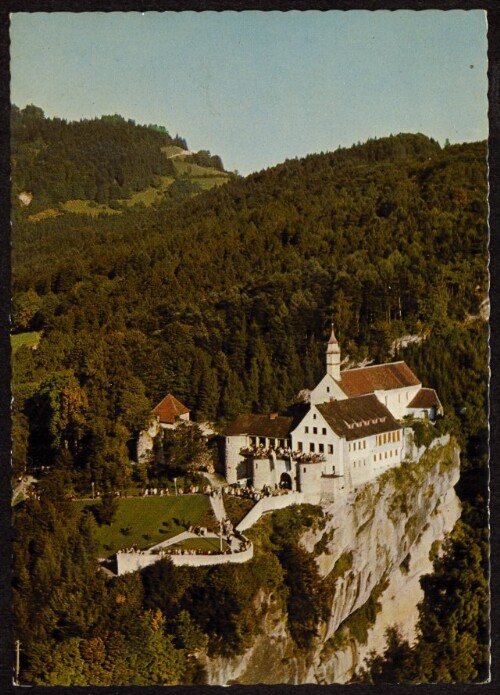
{"x": 371, "y": 552}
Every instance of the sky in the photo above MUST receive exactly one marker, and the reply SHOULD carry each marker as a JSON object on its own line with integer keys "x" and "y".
{"x": 255, "y": 87}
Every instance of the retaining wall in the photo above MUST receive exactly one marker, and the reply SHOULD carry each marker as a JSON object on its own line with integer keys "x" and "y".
{"x": 269, "y": 504}
{"x": 134, "y": 561}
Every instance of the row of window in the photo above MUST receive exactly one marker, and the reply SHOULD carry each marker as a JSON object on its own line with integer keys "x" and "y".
{"x": 312, "y": 448}
{"x": 360, "y": 445}
{"x": 263, "y": 441}
{"x": 387, "y": 454}
{"x": 314, "y": 429}
{"x": 389, "y": 437}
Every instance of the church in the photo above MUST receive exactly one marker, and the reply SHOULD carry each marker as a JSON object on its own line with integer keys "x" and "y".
{"x": 350, "y": 432}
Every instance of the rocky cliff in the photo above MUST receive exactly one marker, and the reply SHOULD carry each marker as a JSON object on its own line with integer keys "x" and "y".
{"x": 371, "y": 551}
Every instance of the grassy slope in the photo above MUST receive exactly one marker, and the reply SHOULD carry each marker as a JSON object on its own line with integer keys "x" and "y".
{"x": 29, "y": 339}
{"x": 150, "y": 520}
{"x": 202, "y": 544}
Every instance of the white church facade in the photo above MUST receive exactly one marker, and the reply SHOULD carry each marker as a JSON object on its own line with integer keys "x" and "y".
{"x": 351, "y": 431}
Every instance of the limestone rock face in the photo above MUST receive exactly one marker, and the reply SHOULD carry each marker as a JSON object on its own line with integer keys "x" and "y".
{"x": 376, "y": 541}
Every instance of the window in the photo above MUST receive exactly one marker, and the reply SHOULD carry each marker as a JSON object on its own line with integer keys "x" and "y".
{"x": 306, "y": 429}
{"x": 385, "y": 454}
{"x": 364, "y": 444}
{"x": 380, "y": 457}
{"x": 314, "y": 416}
{"x": 328, "y": 389}
{"x": 262, "y": 440}
{"x": 330, "y": 448}
{"x": 374, "y": 457}
{"x": 253, "y": 441}
{"x": 272, "y": 442}
{"x": 321, "y": 448}
{"x": 311, "y": 447}
{"x": 399, "y": 435}
{"x": 323, "y": 431}
{"x": 304, "y": 469}
{"x": 315, "y": 430}
{"x": 399, "y": 398}
{"x": 299, "y": 446}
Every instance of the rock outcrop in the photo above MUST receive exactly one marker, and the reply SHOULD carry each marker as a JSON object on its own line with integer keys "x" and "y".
{"x": 373, "y": 549}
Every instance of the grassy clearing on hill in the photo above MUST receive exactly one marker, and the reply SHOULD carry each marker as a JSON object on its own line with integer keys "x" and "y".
{"x": 87, "y": 207}
{"x": 29, "y": 339}
{"x": 206, "y": 182}
{"x": 149, "y": 195}
{"x": 196, "y": 171}
{"x": 144, "y": 521}
{"x": 170, "y": 150}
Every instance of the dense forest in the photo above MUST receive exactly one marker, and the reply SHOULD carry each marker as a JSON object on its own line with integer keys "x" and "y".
{"x": 225, "y": 300}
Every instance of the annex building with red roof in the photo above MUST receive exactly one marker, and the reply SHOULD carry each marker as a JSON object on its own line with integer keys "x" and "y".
{"x": 170, "y": 412}
{"x": 352, "y": 430}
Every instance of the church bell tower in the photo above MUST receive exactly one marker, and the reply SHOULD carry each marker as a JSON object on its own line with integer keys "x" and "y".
{"x": 333, "y": 357}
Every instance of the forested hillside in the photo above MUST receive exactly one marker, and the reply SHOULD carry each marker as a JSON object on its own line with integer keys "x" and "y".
{"x": 103, "y": 161}
{"x": 225, "y": 300}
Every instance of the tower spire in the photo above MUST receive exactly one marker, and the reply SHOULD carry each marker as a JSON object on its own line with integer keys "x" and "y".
{"x": 333, "y": 356}
{"x": 333, "y": 340}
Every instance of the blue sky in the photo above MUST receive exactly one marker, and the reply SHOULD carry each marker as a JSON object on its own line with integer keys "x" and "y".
{"x": 260, "y": 87}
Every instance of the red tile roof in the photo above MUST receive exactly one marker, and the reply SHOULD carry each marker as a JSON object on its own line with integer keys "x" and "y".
{"x": 425, "y": 398}
{"x": 380, "y": 377}
{"x": 169, "y": 409}
{"x": 361, "y": 416}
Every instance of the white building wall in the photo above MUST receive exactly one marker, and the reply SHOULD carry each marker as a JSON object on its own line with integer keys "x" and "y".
{"x": 359, "y": 460}
{"x": 387, "y": 451}
{"x": 323, "y": 438}
{"x": 235, "y": 463}
{"x": 326, "y": 390}
{"x": 397, "y": 400}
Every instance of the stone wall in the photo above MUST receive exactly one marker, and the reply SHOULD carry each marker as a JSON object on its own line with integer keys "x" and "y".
{"x": 269, "y": 504}
{"x": 138, "y": 560}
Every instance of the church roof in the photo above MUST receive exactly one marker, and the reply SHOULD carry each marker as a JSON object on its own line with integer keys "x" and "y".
{"x": 425, "y": 398}
{"x": 169, "y": 409}
{"x": 380, "y": 377}
{"x": 358, "y": 417}
{"x": 270, "y": 425}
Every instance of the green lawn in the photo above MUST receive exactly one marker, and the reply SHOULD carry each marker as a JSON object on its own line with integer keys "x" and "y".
{"x": 145, "y": 521}
{"x": 203, "y": 544}
{"x": 30, "y": 340}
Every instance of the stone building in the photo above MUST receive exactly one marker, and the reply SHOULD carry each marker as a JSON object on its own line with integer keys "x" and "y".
{"x": 351, "y": 431}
